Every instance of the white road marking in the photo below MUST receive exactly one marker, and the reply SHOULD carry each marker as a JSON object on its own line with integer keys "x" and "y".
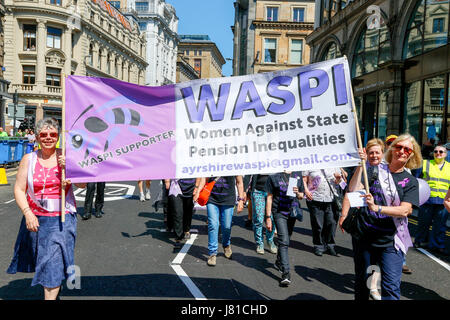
{"x": 188, "y": 282}
{"x": 126, "y": 190}
{"x": 180, "y": 256}
{"x": 9, "y": 201}
{"x": 429, "y": 255}
{"x": 176, "y": 266}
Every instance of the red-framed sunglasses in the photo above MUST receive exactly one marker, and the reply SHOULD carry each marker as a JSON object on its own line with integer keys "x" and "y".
{"x": 406, "y": 150}
{"x": 43, "y": 135}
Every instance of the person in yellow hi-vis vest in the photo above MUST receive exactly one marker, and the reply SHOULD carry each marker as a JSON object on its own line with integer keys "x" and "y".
{"x": 436, "y": 173}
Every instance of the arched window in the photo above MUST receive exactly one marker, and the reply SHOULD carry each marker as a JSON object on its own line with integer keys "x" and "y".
{"x": 332, "y": 52}
{"x": 372, "y": 49}
{"x": 427, "y": 28}
{"x": 91, "y": 54}
{"x": 99, "y": 61}
{"x": 108, "y": 63}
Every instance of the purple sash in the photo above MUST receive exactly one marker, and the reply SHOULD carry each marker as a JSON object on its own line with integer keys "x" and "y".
{"x": 402, "y": 238}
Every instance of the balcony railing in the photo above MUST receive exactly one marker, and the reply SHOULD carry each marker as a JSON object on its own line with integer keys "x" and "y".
{"x": 25, "y": 88}
{"x": 54, "y": 89}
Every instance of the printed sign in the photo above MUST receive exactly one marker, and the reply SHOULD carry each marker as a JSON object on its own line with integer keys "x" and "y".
{"x": 295, "y": 119}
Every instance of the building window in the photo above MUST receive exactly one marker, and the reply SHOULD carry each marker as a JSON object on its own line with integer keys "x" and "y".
{"x": 142, "y": 6}
{"x": 372, "y": 49}
{"x": 54, "y": 38}
{"x": 438, "y": 25}
{"x": 411, "y": 120}
{"x": 433, "y": 109}
{"x": 29, "y": 74}
{"x": 99, "y": 60}
{"x": 427, "y": 28}
{"x": 116, "y": 68}
{"x": 143, "y": 26}
{"x": 272, "y": 14}
{"x": 383, "y": 113}
{"x": 298, "y": 15}
{"x": 198, "y": 65}
{"x": 332, "y": 52}
{"x": 53, "y": 77}
{"x": 270, "y": 50}
{"x": 115, "y": 4}
{"x": 108, "y": 64}
{"x": 91, "y": 54}
{"x": 296, "y": 51}
{"x": 29, "y": 37}
{"x": 55, "y": 2}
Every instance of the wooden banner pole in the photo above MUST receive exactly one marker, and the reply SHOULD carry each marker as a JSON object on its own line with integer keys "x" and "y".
{"x": 63, "y": 144}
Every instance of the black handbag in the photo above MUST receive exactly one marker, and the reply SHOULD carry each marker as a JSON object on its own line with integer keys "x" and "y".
{"x": 351, "y": 223}
{"x": 337, "y": 199}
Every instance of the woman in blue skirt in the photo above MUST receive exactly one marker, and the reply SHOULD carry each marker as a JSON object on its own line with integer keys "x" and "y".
{"x": 45, "y": 245}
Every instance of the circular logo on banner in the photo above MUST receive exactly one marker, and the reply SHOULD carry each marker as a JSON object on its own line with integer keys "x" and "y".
{"x": 113, "y": 192}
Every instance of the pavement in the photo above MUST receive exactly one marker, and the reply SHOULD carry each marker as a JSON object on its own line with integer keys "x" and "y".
{"x": 127, "y": 254}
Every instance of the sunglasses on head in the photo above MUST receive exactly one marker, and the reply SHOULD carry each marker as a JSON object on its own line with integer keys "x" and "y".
{"x": 406, "y": 150}
{"x": 46, "y": 134}
{"x": 439, "y": 151}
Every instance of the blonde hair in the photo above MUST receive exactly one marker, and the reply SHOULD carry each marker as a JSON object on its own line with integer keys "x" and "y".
{"x": 415, "y": 160}
{"x": 375, "y": 142}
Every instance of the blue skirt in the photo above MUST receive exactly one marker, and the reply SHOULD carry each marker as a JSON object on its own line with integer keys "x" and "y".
{"x": 49, "y": 252}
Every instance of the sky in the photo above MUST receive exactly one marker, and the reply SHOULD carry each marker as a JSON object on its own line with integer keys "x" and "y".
{"x": 211, "y": 17}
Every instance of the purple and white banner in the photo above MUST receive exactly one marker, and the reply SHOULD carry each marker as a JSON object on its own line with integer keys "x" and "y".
{"x": 295, "y": 119}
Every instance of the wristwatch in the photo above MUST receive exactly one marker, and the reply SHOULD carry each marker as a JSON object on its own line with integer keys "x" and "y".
{"x": 240, "y": 199}
{"x": 267, "y": 217}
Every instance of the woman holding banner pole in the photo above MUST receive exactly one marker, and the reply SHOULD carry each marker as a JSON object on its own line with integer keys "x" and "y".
{"x": 374, "y": 153}
{"x": 45, "y": 243}
{"x": 383, "y": 225}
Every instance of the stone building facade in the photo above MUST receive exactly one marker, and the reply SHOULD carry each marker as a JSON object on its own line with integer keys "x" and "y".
{"x": 399, "y": 56}
{"x": 159, "y": 22}
{"x": 48, "y": 39}
{"x": 270, "y": 35}
{"x": 202, "y": 54}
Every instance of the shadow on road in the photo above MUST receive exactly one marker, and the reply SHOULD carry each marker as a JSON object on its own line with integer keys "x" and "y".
{"x": 158, "y": 286}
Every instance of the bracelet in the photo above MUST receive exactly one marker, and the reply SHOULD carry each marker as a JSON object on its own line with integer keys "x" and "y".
{"x": 267, "y": 217}
{"x": 379, "y": 208}
{"x": 240, "y": 199}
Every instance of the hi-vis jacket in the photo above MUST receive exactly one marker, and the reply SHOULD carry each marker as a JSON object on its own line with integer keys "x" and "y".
{"x": 438, "y": 180}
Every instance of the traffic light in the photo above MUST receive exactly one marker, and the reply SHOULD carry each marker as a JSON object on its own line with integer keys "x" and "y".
{"x": 15, "y": 98}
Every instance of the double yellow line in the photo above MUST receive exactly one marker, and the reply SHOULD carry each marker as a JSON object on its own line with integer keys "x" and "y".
{"x": 414, "y": 222}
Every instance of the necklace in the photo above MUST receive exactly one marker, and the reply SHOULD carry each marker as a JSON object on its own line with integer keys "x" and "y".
{"x": 43, "y": 188}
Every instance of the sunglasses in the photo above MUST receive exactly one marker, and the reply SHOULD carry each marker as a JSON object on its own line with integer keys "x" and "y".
{"x": 43, "y": 135}
{"x": 406, "y": 150}
{"x": 439, "y": 151}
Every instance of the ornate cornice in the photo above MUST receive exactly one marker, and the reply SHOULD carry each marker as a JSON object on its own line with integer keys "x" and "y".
{"x": 284, "y": 25}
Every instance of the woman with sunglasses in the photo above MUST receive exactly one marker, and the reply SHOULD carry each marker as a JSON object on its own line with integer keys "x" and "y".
{"x": 436, "y": 173}
{"x": 383, "y": 237}
{"x": 374, "y": 154}
{"x": 44, "y": 244}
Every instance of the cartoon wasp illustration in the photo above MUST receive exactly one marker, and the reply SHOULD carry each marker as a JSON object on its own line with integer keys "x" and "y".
{"x": 107, "y": 121}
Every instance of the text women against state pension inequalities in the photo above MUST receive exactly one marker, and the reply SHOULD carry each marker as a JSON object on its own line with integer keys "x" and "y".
{"x": 260, "y": 130}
